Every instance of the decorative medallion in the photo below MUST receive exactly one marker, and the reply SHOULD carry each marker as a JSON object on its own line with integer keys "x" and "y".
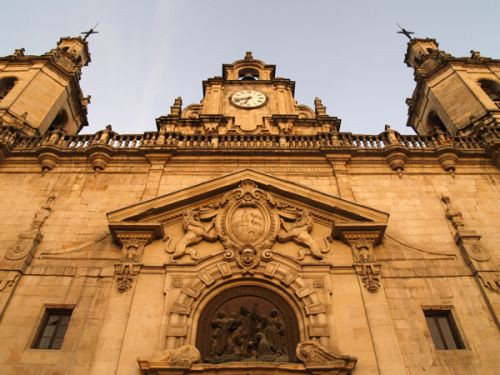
{"x": 248, "y": 224}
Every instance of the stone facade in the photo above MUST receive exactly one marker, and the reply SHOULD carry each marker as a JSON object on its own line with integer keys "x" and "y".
{"x": 248, "y": 196}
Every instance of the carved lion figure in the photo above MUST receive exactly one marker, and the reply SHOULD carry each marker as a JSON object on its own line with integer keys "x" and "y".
{"x": 298, "y": 231}
{"x": 195, "y": 231}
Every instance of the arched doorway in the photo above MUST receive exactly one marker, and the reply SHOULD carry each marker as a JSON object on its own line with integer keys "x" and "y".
{"x": 247, "y": 323}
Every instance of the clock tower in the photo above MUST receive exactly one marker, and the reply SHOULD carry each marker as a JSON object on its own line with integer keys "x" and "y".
{"x": 249, "y": 99}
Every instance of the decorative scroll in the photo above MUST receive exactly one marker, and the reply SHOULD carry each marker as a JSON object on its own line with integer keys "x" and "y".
{"x": 475, "y": 255}
{"x": 183, "y": 356}
{"x": 28, "y": 240}
{"x": 314, "y": 354}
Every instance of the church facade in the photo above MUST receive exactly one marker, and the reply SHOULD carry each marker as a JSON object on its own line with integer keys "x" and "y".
{"x": 249, "y": 234}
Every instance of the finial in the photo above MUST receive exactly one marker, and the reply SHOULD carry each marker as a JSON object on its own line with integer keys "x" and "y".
{"x": 405, "y": 32}
{"x": 248, "y": 55}
{"x": 90, "y": 32}
{"x": 319, "y": 108}
{"x": 176, "y": 109}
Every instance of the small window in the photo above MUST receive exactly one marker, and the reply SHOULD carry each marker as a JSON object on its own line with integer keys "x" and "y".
{"x": 443, "y": 330}
{"x": 53, "y": 328}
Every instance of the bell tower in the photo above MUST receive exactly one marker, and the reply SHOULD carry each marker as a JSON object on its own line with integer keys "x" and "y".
{"x": 39, "y": 94}
{"x": 454, "y": 95}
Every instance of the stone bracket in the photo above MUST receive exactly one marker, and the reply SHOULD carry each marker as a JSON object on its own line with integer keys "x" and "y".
{"x": 369, "y": 274}
{"x": 125, "y": 274}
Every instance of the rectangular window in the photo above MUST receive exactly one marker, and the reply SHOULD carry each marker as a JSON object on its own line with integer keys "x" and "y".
{"x": 443, "y": 330}
{"x": 53, "y": 328}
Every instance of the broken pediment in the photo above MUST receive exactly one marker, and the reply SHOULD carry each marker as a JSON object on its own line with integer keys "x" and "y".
{"x": 248, "y": 217}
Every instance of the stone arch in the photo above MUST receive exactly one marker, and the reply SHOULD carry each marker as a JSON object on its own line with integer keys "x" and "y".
{"x": 248, "y": 74}
{"x": 60, "y": 121}
{"x": 434, "y": 123}
{"x": 6, "y": 84}
{"x": 491, "y": 88}
{"x": 274, "y": 275}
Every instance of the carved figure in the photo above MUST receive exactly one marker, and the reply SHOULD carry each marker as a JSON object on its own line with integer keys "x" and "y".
{"x": 28, "y": 240}
{"x": 276, "y": 332}
{"x": 246, "y": 335}
{"x": 391, "y": 135}
{"x": 298, "y": 231}
{"x": 312, "y": 353}
{"x": 195, "y": 232}
{"x": 263, "y": 345}
{"x": 184, "y": 356}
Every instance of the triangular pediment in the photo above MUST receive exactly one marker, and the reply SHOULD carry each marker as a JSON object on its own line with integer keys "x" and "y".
{"x": 343, "y": 214}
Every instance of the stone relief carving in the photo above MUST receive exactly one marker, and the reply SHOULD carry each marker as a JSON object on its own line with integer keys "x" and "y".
{"x": 298, "y": 231}
{"x": 195, "y": 232}
{"x": 312, "y": 353}
{"x": 364, "y": 263}
{"x": 475, "y": 255}
{"x": 264, "y": 341}
{"x": 183, "y": 356}
{"x": 133, "y": 245}
{"x": 28, "y": 240}
{"x": 248, "y": 221}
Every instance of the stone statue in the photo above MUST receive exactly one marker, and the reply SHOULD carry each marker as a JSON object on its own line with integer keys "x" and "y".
{"x": 195, "y": 232}
{"x": 298, "y": 231}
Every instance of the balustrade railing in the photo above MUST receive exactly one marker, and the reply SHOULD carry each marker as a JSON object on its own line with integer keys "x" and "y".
{"x": 11, "y": 137}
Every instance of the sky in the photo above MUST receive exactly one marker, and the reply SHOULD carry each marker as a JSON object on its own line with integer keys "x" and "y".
{"x": 347, "y": 53}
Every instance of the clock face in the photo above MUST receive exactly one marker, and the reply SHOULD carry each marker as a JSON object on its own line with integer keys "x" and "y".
{"x": 248, "y": 99}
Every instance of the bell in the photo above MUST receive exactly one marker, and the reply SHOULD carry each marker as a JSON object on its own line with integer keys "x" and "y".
{"x": 248, "y": 77}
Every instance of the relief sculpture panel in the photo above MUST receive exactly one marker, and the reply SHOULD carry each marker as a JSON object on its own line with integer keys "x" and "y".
{"x": 248, "y": 221}
{"x": 247, "y": 324}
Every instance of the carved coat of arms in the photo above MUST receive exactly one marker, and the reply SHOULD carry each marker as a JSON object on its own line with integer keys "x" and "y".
{"x": 248, "y": 221}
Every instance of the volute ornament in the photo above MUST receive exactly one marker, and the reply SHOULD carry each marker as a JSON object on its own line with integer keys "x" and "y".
{"x": 314, "y": 354}
{"x": 183, "y": 356}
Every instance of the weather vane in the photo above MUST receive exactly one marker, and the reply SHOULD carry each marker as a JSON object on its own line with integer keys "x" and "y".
{"x": 405, "y": 32}
{"x": 90, "y": 32}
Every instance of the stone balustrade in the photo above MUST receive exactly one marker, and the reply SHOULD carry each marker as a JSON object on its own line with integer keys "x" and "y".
{"x": 11, "y": 138}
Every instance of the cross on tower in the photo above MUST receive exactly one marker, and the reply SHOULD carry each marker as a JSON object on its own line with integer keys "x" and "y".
{"x": 405, "y": 32}
{"x": 90, "y": 32}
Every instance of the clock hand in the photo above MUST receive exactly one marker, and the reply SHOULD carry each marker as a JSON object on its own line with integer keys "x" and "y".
{"x": 240, "y": 99}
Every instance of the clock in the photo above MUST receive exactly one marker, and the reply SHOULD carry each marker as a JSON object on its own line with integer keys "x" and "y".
{"x": 248, "y": 99}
